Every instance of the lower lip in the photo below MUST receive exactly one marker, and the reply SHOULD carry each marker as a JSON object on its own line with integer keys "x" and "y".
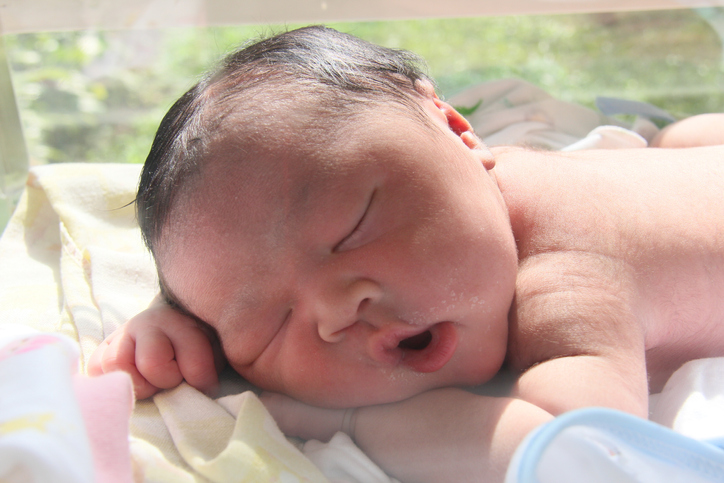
{"x": 437, "y": 353}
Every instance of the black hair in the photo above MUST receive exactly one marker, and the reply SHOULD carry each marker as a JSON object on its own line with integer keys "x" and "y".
{"x": 324, "y": 62}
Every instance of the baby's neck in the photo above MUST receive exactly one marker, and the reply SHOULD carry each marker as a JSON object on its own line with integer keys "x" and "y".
{"x": 514, "y": 173}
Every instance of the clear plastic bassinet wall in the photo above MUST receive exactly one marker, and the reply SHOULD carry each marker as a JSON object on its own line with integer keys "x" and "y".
{"x": 89, "y": 81}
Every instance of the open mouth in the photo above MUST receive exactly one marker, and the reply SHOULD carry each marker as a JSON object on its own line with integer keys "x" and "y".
{"x": 417, "y": 342}
{"x": 430, "y": 350}
{"x": 422, "y": 350}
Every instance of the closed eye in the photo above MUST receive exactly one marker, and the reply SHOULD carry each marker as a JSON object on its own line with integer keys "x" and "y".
{"x": 355, "y": 238}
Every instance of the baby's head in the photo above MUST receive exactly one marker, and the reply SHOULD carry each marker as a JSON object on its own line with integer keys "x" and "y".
{"x": 328, "y": 74}
{"x": 332, "y": 221}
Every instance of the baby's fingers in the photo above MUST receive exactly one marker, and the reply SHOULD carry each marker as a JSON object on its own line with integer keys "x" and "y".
{"x": 195, "y": 359}
{"x": 94, "y": 366}
{"x": 118, "y": 354}
{"x": 155, "y": 358}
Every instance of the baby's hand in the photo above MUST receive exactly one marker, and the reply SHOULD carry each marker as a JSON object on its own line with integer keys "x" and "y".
{"x": 159, "y": 348}
{"x": 298, "y": 419}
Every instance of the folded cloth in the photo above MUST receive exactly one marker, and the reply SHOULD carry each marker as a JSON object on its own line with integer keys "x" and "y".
{"x": 226, "y": 441}
{"x": 515, "y": 112}
{"x": 343, "y": 462}
{"x": 692, "y": 401}
{"x": 55, "y": 424}
{"x": 609, "y": 137}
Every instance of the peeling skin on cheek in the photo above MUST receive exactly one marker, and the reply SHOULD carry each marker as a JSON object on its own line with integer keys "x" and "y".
{"x": 450, "y": 304}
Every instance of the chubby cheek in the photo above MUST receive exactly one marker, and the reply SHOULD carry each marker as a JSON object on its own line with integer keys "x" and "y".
{"x": 330, "y": 376}
{"x": 303, "y": 369}
{"x": 449, "y": 281}
{"x": 471, "y": 285}
{"x": 325, "y": 377}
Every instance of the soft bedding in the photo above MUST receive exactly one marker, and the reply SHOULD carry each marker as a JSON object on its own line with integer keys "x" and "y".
{"x": 73, "y": 267}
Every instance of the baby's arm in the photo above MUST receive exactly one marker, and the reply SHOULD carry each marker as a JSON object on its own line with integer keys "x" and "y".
{"x": 159, "y": 348}
{"x": 441, "y": 435}
{"x": 453, "y": 435}
{"x": 701, "y": 130}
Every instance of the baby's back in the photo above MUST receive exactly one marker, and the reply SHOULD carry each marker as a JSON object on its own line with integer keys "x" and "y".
{"x": 641, "y": 230}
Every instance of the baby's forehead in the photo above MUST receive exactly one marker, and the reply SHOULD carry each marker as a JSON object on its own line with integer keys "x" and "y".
{"x": 294, "y": 156}
{"x": 257, "y": 159}
{"x": 296, "y": 114}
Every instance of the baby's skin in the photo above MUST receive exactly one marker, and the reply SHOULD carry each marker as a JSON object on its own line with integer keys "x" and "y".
{"x": 401, "y": 261}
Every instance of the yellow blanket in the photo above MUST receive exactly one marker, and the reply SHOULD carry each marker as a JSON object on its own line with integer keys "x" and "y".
{"x": 72, "y": 261}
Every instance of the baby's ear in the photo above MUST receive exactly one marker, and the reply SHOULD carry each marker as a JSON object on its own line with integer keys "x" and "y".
{"x": 479, "y": 148}
{"x": 458, "y": 124}
{"x": 461, "y": 127}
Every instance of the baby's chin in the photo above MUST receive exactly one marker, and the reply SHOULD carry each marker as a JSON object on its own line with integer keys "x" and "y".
{"x": 352, "y": 398}
{"x": 353, "y": 401}
{"x": 384, "y": 387}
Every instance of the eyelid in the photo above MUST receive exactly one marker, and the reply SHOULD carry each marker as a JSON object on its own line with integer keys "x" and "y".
{"x": 348, "y": 242}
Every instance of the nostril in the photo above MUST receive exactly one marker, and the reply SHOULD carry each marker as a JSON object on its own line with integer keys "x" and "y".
{"x": 363, "y": 304}
{"x": 417, "y": 342}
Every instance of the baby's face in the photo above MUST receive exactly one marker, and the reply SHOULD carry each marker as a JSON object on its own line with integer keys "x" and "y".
{"x": 367, "y": 271}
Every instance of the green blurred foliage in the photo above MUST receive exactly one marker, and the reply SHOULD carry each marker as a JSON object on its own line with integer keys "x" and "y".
{"x": 99, "y": 95}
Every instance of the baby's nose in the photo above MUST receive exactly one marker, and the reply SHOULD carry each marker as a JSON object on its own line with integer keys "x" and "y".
{"x": 343, "y": 308}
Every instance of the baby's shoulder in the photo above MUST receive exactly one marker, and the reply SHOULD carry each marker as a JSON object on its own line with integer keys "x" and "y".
{"x": 570, "y": 303}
